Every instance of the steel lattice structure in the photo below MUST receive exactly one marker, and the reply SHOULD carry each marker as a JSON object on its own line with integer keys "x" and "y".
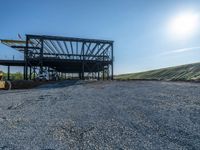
{"x": 85, "y": 57}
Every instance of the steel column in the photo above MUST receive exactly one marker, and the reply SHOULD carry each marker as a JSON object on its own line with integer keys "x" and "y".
{"x": 83, "y": 61}
{"x": 8, "y": 73}
{"x": 112, "y": 67}
{"x": 30, "y": 73}
{"x": 34, "y": 72}
{"x": 26, "y": 59}
{"x": 41, "y": 55}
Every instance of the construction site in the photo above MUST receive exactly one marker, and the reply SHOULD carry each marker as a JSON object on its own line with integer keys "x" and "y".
{"x": 68, "y": 99}
{"x": 48, "y": 58}
{"x": 100, "y": 75}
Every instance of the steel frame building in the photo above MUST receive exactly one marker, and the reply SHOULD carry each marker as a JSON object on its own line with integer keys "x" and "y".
{"x": 89, "y": 58}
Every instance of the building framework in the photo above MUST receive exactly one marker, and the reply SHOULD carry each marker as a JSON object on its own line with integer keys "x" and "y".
{"x": 87, "y": 58}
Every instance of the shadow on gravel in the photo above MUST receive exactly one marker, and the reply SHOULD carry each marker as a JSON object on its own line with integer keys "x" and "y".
{"x": 61, "y": 84}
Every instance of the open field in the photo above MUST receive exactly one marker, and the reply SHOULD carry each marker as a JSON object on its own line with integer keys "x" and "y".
{"x": 190, "y": 72}
{"x": 101, "y": 115}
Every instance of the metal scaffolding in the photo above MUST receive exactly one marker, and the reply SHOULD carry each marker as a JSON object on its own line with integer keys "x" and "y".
{"x": 87, "y": 58}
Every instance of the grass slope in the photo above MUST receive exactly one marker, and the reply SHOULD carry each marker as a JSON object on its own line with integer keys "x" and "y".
{"x": 184, "y": 72}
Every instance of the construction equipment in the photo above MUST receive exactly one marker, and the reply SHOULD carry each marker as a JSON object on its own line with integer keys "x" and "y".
{"x": 4, "y": 85}
{"x": 1, "y": 75}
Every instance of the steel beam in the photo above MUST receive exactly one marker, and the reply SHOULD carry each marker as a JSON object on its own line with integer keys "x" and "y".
{"x": 23, "y": 47}
{"x": 60, "y": 38}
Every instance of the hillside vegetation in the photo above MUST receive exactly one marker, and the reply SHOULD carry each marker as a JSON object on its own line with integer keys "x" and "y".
{"x": 13, "y": 76}
{"x": 184, "y": 72}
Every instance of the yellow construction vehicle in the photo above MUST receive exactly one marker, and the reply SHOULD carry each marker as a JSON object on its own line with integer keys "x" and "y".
{"x": 1, "y": 75}
{"x": 2, "y": 83}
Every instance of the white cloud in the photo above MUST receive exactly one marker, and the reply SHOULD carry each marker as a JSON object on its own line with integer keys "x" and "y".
{"x": 180, "y": 50}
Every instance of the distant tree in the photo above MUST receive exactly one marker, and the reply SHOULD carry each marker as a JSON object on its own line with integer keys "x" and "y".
{"x": 17, "y": 76}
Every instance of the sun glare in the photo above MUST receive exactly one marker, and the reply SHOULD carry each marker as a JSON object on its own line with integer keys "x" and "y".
{"x": 184, "y": 25}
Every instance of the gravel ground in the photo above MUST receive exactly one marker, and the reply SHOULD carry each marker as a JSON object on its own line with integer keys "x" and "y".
{"x": 101, "y": 115}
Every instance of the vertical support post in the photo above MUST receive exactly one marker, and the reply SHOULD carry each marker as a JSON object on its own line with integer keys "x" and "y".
{"x": 76, "y": 50}
{"x": 48, "y": 72}
{"x": 103, "y": 65}
{"x": 26, "y": 59}
{"x": 8, "y": 74}
{"x": 98, "y": 73}
{"x": 30, "y": 73}
{"x": 112, "y": 67}
{"x": 80, "y": 75}
{"x": 108, "y": 74}
{"x": 83, "y": 61}
{"x": 103, "y": 73}
{"x": 34, "y": 72}
{"x": 24, "y": 71}
{"x": 41, "y": 55}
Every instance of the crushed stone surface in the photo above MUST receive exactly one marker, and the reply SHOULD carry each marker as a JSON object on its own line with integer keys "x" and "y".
{"x": 101, "y": 115}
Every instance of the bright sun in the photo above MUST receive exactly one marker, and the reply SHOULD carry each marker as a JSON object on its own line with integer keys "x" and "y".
{"x": 184, "y": 25}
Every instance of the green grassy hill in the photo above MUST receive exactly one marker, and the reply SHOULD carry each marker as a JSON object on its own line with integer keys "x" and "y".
{"x": 184, "y": 72}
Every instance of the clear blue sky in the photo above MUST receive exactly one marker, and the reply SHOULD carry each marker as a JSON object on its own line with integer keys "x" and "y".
{"x": 139, "y": 28}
